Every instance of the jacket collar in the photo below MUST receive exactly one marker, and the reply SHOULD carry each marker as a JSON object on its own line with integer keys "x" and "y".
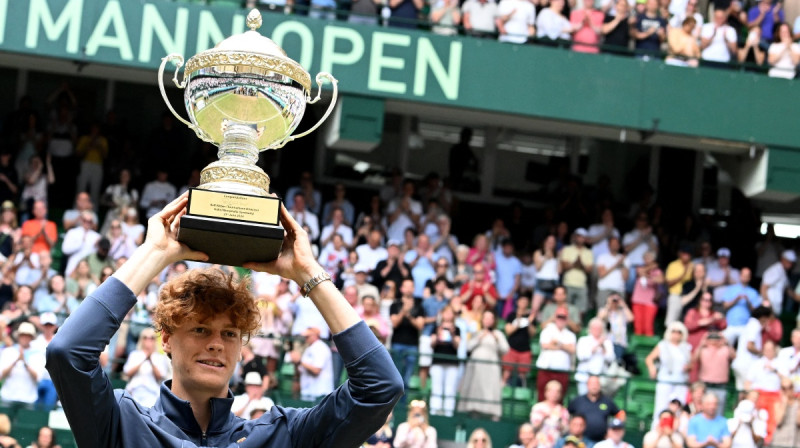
{"x": 179, "y": 411}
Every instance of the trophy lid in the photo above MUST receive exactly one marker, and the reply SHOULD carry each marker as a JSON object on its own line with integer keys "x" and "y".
{"x": 249, "y": 52}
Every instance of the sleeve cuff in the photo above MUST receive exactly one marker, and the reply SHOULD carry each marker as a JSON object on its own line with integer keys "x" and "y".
{"x": 355, "y": 341}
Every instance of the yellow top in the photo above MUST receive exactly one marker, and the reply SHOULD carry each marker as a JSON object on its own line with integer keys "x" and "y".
{"x": 674, "y": 270}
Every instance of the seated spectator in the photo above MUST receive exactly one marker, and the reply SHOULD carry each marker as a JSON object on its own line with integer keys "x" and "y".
{"x": 10, "y": 232}
{"x": 593, "y": 352}
{"x": 72, "y": 217}
{"x": 369, "y": 220}
{"x": 421, "y": 260}
{"x": 120, "y": 244}
{"x": 146, "y": 369}
{"x": 99, "y": 259}
{"x": 21, "y": 367}
{"x": 446, "y": 17}
{"x": 21, "y": 309}
{"x": 461, "y": 271}
{"x": 336, "y": 226}
{"x": 45, "y": 438}
{"x": 557, "y": 348}
{"x": 787, "y": 417}
{"x": 712, "y": 360}
{"x": 80, "y": 241}
{"x": 5, "y": 430}
{"x": 252, "y": 398}
{"x": 738, "y": 301}
{"x": 57, "y": 299}
{"x": 80, "y": 284}
{"x": 132, "y": 227}
{"x": 783, "y": 53}
{"x": 683, "y": 48}
{"x": 42, "y": 230}
{"x": 722, "y": 274}
{"x": 548, "y": 314}
{"x": 751, "y": 53}
{"x": 617, "y": 315}
{"x": 384, "y": 437}
{"x": 616, "y": 431}
{"x": 315, "y": 366}
{"x": 586, "y": 25}
{"x": 392, "y": 267}
{"x": 674, "y": 356}
{"x": 118, "y": 198}
{"x": 405, "y": 211}
{"x": 481, "y": 252}
{"x": 664, "y": 434}
{"x": 370, "y": 312}
{"x": 549, "y": 417}
{"x": 416, "y": 432}
{"x": 548, "y": 272}
{"x": 363, "y": 287}
{"x": 708, "y": 428}
{"x": 479, "y": 439}
{"x": 748, "y": 428}
{"x": 478, "y": 17}
{"x": 371, "y": 252}
{"x": 249, "y": 363}
{"x": 481, "y": 385}
{"x": 526, "y": 437}
{"x": 25, "y": 264}
{"x": 617, "y": 30}
{"x": 718, "y": 41}
{"x": 157, "y": 193}
{"x": 519, "y": 330}
{"x": 444, "y": 243}
{"x": 649, "y": 30}
{"x": 592, "y": 411}
{"x": 551, "y": 25}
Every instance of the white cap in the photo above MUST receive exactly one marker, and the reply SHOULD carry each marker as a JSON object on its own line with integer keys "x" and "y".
{"x": 262, "y": 404}
{"x": 361, "y": 267}
{"x": 48, "y": 318}
{"x": 26, "y": 328}
{"x": 789, "y": 255}
{"x": 724, "y": 252}
{"x": 393, "y": 243}
{"x": 581, "y": 231}
{"x": 252, "y": 379}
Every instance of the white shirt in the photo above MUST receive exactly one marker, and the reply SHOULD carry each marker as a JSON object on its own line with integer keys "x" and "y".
{"x": 613, "y": 281}
{"x": 27, "y": 274}
{"x": 752, "y": 332}
{"x": 143, "y": 386}
{"x": 397, "y": 228}
{"x": 345, "y": 231}
{"x": 20, "y": 385}
{"x": 78, "y": 243}
{"x": 243, "y": 401}
{"x": 517, "y": 25}
{"x": 481, "y": 15}
{"x": 306, "y": 315}
{"x": 776, "y": 279}
{"x": 608, "y": 443}
{"x": 600, "y": 247}
{"x": 264, "y": 284}
{"x": 591, "y": 360}
{"x": 555, "y": 359}
{"x": 371, "y": 257}
{"x": 309, "y": 219}
{"x": 762, "y": 377}
{"x": 744, "y": 435}
{"x": 154, "y": 193}
{"x": 318, "y": 355}
{"x": 636, "y": 256}
{"x": 789, "y": 360}
{"x": 717, "y": 50}
{"x": 552, "y": 25}
{"x": 716, "y": 274}
{"x": 783, "y": 68}
{"x": 527, "y": 276}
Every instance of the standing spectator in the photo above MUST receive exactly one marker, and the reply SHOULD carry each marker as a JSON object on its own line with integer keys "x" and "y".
{"x": 370, "y": 313}
{"x": 61, "y": 137}
{"x": 766, "y": 14}
{"x": 482, "y": 382}
{"x": 333, "y": 257}
{"x": 783, "y": 53}
{"x": 120, "y": 244}
{"x": 682, "y": 45}
{"x": 421, "y": 260}
{"x": 594, "y": 352}
{"x": 754, "y": 55}
{"x": 146, "y": 368}
{"x": 551, "y": 25}
{"x": 557, "y": 348}
{"x": 678, "y": 273}
{"x": 750, "y": 344}
{"x": 363, "y": 288}
{"x": 787, "y": 417}
{"x": 93, "y": 150}
{"x": 445, "y": 244}
{"x": 765, "y": 376}
{"x": 588, "y": 23}
{"x": 10, "y": 232}
{"x": 304, "y": 216}
{"x": 718, "y": 40}
{"x": 478, "y": 18}
{"x": 336, "y": 226}
{"x": 664, "y": 434}
{"x": 639, "y": 240}
{"x": 252, "y": 398}
{"x": 616, "y": 431}
{"x": 72, "y": 217}
{"x": 576, "y": 263}
{"x": 480, "y": 252}
{"x": 599, "y": 235}
{"x": 738, "y": 301}
{"x": 80, "y": 241}
{"x": 702, "y": 319}
{"x": 674, "y": 356}
{"x": 595, "y": 410}
{"x": 617, "y": 32}
{"x": 646, "y": 292}
{"x": 549, "y": 417}
{"x": 43, "y": 231}
{"x": 747, "y": 428}
{"x": 371, "y": 252}
{"x": 617, "y": 314}
{"x": 679, "y": 17}
{"x": 157, "y": 193}
{"x": 118, "y": 198}
{"x": 708, "y": 429}
{"x": 548, "y": 272}
{"x": 8, "y": 177}
{"x": 479, "y": 285}
{"x": 392, "y": 268}
{"x": 408, "y": 318}
{"x": 340, "y": 200}
{"x": 432, "y": 306}
{"x": 405, "y": 211}
{"x": 612, "y": 275}
{"x": 446, "y": 17}
{"x": 508, "y": 269}
{"x": 550, "y": 310}
{"x": 315, "y": 366}
{"x": 775, "y": 281}
{"x": 21, "y": 367}
{"x": 312, "y": 197}
{"x": 416, "y": 432}
{"x": 132, "y": 227}
{"x": 789, "y": 358}
{"x": 519, "y": 332}
{"x": 445, "y": 339}
{"x": 713, "y": 360}
{"x": 515, "y": 21}
{"x": 722, "y": 275}
{"x": 37, "y": 179}
{"x": 649, "y": 30}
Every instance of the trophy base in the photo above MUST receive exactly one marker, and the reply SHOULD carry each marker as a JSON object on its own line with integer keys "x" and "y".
{"x": 219, "y": 225}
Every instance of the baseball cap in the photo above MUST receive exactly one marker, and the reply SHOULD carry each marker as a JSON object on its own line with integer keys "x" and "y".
{"x": 724, "y": 252}
{"x": 361, "y": 267}
{"x": 48, "y": 318}
{"x": 252, "y": 379}
{"x": 572, "y": 440}
{"x": 26, "y": 328}
{"x": 262, "y": 404}
{"x": 310, "y": 330}
{"x": 686, "y": 248}
{"x": 8, "y": 205}
{"x": 580, "y": 231}
{"x": 616, "y": 423}
{"x": 789, "y": 255}
{"x": 393, "y": 243}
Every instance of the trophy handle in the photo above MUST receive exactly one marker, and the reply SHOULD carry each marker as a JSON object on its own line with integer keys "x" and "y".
{"x": 320, "y": 76}
{"x": 178, "y": 64}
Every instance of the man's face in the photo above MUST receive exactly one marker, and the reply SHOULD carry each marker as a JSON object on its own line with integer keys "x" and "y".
{"x": 593, "y": 386}
{"x": 616, "y": 434}
{"x": 579, "y": 240}
{"x": 370, "y": 307}
{"x": 710, "y": 405}
{"x": 299, "y": 203}
{"x": 577, "y": 426}
{"x": 407, "y": 288}
{"x": 374, "y": 238}
{"x": 508, "y": 250}
{"x": 745, "y": 276}
{"x": 83, "y": 202}
{"x": 204, "y": 355}
{"x": 560, "y": 295}
{"x": 253, "y": 391}
{"x": 39, "y": 210}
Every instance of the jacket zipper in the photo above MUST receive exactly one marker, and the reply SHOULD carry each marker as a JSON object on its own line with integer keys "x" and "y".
{"x": 204, "y": 439}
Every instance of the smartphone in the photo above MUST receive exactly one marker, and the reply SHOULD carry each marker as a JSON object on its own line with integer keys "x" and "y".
{"x": 667, "y": 421}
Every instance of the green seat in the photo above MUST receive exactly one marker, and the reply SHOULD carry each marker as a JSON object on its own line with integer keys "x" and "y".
{"x": 24, "y": 433}
{"x": 413, "y": 382}
{"x": 523, "y": 394}
{"x": 31, "y": 417}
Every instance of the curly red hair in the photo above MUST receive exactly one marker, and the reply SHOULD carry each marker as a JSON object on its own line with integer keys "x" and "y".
{"x": 205, "y": 293}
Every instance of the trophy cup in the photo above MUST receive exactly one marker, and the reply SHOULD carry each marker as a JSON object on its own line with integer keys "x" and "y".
{"x": 244, "y": 96}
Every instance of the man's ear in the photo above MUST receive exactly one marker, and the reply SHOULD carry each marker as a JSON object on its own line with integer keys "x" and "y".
{"x": 165, "y": 342}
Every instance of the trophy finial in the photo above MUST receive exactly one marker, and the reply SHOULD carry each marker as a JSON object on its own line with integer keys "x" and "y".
{"x": 254, "y": 19}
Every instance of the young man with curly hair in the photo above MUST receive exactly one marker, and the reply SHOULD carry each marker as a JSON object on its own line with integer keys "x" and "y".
{"x": 204, "y": 316}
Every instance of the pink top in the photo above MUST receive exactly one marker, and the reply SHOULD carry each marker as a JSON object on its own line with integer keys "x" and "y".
{"x": 644, "y": 293}
{"x": 586, "y": 34}
{"x": 715, "y": 364}
{"x": 550, "y": 421}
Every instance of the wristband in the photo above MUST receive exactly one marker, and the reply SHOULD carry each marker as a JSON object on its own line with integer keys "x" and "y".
{"x": 311, "y": 284}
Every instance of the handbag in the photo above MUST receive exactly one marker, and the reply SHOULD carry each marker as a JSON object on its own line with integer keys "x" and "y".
{"x": 546, "y": 285}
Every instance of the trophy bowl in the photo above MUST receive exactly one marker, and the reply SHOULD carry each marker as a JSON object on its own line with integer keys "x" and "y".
{"x": 245, "y": 96}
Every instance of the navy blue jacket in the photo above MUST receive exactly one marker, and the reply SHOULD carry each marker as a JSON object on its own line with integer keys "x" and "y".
{"x": 102, "y": 417}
